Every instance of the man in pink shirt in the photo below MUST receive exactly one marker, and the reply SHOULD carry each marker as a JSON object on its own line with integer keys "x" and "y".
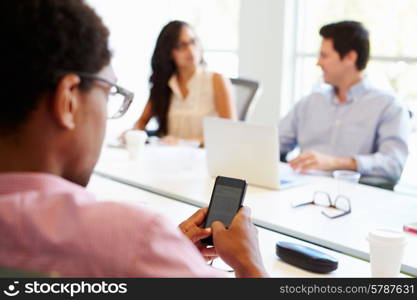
{"x": 58, "y": 91}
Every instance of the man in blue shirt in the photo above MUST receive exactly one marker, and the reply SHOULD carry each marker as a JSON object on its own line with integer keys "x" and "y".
{"x": 351, "y": 125}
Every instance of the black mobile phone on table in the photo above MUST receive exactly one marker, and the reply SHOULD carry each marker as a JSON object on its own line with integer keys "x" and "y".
{"x": 226, "y": 199}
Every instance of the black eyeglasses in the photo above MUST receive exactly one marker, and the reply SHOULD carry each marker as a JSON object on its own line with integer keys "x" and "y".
{"x": 182, "y": 45}
{"x": 340, "y": 207}
{"x": 119, "y": 98}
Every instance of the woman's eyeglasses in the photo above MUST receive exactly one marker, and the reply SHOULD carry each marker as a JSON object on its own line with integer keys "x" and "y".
{"x": 183, "y": 45}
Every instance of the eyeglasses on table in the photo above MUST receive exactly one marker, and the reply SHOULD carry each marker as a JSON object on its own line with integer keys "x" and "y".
{"x": 340, "y": 207}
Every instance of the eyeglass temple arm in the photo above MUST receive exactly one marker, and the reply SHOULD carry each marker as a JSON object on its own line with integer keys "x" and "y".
{"x": 301, "y": 204}
{"x": 337, "y": 216}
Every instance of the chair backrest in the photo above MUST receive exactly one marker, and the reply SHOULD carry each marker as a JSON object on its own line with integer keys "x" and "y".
{"x": 246, "y": 94}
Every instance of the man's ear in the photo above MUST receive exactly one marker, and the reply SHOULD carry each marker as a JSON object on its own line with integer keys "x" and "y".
{"x": 351, "y": 57}
{"x": 65, "y": 102}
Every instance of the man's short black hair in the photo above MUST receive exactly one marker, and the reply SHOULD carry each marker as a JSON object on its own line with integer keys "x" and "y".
{"x": 348, "y": 36}
{"x": 41, "y": 39}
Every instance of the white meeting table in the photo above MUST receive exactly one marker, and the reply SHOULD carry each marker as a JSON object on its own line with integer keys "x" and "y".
{"x": 109, "y": 190}
{"x": 181, "y": 173}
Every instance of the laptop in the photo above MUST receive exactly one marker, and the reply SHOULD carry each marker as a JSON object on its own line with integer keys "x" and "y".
{"x": 248, "y": 151}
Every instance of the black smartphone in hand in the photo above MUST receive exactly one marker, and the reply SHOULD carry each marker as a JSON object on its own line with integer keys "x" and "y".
{"x": 226, "y": 199}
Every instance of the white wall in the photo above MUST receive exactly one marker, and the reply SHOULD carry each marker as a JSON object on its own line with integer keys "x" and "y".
{"x": 134, "y": 27}
{"x": 262, "y": 53}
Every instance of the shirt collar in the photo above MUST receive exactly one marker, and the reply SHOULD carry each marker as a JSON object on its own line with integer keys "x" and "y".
{"x": 173, "y": 82}
{"x": 14, "y": 182}
{"x": 356, "y": 92}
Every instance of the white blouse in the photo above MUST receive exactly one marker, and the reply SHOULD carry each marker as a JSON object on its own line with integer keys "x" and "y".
{"x": 185, "y": 115}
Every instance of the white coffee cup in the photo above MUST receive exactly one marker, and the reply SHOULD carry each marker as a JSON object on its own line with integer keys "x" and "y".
{"x": 347, "y": 175}
{"x": 386, "y": 251}
{"x": 344, "y": 180}
{"x": 135, "y": 142}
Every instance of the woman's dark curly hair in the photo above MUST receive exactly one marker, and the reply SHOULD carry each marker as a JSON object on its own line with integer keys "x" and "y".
{"x": 41, "y": 39}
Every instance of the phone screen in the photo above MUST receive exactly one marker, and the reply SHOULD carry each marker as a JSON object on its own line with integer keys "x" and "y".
{"x": 225, "y": 203}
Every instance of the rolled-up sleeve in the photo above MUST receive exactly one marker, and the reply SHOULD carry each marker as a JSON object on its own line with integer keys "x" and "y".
{"x": 391, "y": 145}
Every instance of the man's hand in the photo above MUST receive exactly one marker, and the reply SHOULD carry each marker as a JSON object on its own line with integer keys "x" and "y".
{"x": 312, "y": 160}
{"x": 191, "y": 229}
{"x": 238, "y": 245}
{"x": 315, "y": 160}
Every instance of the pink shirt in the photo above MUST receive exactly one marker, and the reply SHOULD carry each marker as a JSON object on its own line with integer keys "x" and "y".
{"x": 48, "y": 224}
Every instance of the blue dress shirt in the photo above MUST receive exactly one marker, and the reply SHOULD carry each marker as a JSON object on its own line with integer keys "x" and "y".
{"x": 372, "y": 126}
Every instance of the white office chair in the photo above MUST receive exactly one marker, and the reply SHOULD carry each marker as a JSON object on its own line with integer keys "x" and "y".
{"x": 246, "y": 93}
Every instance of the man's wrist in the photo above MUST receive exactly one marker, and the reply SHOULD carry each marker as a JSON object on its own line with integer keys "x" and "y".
{"x": 251, "y": 270}
{"x": 345, "y": 163}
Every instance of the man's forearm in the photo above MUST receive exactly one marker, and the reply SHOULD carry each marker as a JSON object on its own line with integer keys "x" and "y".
{"x": 345, "y": 163}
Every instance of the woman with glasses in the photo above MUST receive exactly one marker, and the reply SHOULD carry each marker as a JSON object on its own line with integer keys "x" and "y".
{"x": 182, "y": 91}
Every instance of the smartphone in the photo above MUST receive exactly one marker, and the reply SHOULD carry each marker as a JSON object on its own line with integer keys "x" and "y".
{"x": 226, "y": 199}
{"x": 411, "y": 227}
